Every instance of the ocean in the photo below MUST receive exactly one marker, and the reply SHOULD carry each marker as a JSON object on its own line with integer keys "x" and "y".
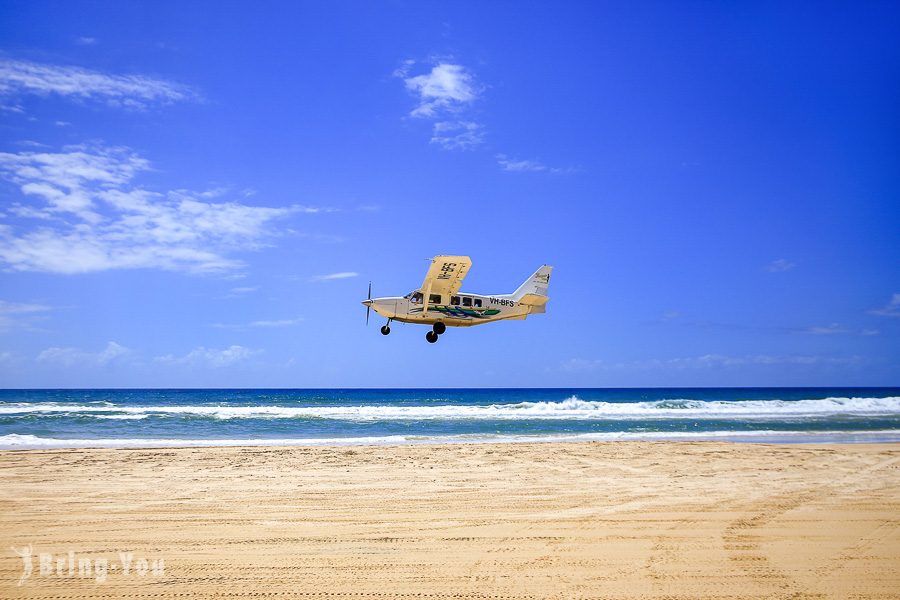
{"x": 214, "y": 417}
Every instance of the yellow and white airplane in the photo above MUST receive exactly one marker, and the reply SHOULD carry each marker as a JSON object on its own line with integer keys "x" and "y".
{"x": 439, "y": 302}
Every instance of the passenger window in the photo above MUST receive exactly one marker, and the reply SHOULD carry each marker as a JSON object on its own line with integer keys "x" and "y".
{"x": 454, "y": 300}
{"x": 467, "y": 302}
{"x": 477, "y": 302}
{"x": 434, "y": 299}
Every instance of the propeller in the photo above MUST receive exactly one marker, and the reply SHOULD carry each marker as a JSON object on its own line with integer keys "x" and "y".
{"x": 369, "y": 306}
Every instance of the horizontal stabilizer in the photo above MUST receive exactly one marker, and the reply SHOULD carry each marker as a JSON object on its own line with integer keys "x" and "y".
{"x": 533, "y": 300}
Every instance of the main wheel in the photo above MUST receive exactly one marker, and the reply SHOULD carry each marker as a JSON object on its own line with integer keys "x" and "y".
{"x": 385, "y": 330}
{"x": 431, "y": 336}
{"x": 439, "y": 328}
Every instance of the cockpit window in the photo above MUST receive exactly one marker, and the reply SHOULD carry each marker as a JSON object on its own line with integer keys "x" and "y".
{"x": 416, "y": 298}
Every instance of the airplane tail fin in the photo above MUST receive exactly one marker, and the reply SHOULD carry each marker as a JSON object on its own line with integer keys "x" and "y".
{"x": 534, "y": 291}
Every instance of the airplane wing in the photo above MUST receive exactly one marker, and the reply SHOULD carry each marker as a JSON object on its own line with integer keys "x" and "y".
{"x": 445, "y": 275}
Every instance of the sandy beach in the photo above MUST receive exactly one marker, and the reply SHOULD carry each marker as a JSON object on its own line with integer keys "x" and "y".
{"x": 562, "y": 520}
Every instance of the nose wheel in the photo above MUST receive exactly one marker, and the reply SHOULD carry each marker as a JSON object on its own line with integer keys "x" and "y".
{"x": 385, "y": 330}
{"x": 431, "y": 336}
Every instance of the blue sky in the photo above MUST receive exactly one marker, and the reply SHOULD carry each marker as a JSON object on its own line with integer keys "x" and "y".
{"x": 197, "y": 194}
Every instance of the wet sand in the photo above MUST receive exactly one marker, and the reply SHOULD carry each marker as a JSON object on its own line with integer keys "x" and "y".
{"x": 556, "y": 520}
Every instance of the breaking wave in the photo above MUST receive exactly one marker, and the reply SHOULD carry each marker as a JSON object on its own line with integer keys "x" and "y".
{"x": 26, "y": 442}
{"x": 571, "y": 408}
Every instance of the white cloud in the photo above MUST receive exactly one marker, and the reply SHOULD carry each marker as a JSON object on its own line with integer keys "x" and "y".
{"x": 457, "y": 135}
{"x": 446, "y": 88}
{"x": 85, "y": 41}
{"x": 90, "y": 218}
{"x": 279, "y": 323}
{"x": 891, "y": 309}
{"x": 832, "y": 329}
{"x": 524, "y": 166}
{"x": 261, "y": 323}
{"x": 836, "y": 329}
{"x": 73, "y": 356}
{"x": 403, "y": 70}
{"x": 780, "y": 265}
{"x": 211, "y": 357}
{"x": 15, "y": 314}
{"x": 443, "y": 93}
{"x": 333, "y": 276}
{"x": 244, "y": 290}
{"x": 706, "y": 361}
{"x": 509, "y": 164}
{"x": 129, "y": 91}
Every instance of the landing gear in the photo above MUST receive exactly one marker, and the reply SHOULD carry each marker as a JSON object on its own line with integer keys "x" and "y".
{"x": 385, "y": 330}
{"x": 436, "y": 330}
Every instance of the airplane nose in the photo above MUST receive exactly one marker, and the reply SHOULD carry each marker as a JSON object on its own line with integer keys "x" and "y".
{"x": 368, "y": 302}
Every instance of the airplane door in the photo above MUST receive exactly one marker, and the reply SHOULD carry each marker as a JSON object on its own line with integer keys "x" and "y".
{"x": 406, "y": 307}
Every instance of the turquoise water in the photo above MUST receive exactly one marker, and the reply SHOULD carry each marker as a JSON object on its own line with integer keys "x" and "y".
{"x": 122, "y": 418}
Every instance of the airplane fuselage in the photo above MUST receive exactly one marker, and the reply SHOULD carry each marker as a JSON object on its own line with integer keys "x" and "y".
{"x": 458, "y": 310}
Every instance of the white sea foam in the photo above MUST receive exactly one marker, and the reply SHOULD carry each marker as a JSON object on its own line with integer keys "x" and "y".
{"x": 571, "y": 408}
{"x": 28, "y": 442}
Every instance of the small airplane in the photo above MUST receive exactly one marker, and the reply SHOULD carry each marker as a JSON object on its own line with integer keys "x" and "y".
{"x": 439, "y": 302}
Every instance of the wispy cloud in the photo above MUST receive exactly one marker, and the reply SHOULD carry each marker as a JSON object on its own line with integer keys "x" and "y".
{"x": 457, "y": 135}
{"x": 14, "y": 315}
{"x": 74, "y": 356}
{"x": 509, "y": 164}
{"x": 779, "y": 266}
{"x": 446, "y": 88}
{"x": 261, "y": 323}
{"x": 333, "y": 276}
{"x": 211, "y": 357}
{"x": 524, "y": 166}
{"x": 244, "y": 290}
{"x": 836, "y": 329}
{"x": 278, "y": 323}
{"x": 19, "y": 77}
{"x": 891, "y": 309}
{"x": 706, "y": 361}
{"x": 832, "y": 329}
{"x": 670, "y": 315}
{"x": 85, "y": 41}
{"x": 81, "y": 214}
{"x": 444, "y": 93}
